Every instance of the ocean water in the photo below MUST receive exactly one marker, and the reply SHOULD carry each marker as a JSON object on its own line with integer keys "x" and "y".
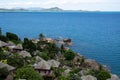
{"x": 95, "y": 35}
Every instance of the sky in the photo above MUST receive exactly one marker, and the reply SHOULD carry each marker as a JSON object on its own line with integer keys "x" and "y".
{"x": 91, "y": 5}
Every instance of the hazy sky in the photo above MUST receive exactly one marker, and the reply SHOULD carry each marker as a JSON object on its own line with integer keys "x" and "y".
{"x": 103, "y": 5}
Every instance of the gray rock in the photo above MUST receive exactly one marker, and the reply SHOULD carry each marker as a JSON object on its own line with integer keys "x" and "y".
{"x": 88, "y": 77}
{"x": 114, "y": 77}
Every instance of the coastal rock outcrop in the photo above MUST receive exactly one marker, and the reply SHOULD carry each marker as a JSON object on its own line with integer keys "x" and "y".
{"x": 88, "y": 77}
{"x": 114, "y": 77}
{"x": 92, "y": 64}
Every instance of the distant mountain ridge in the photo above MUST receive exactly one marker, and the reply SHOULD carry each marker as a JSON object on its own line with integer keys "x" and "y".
{"x": 37, "y": 9}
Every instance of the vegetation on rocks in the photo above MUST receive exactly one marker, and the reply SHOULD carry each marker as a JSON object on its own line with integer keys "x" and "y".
{"x": 27, "y": 73}
{"x": 70, "y": 66}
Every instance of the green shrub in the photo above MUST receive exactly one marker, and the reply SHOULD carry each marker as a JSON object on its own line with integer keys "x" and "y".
{"x": 27, "y": 73}
{"x": 69, "y": 55}
{"x": 12, "y": 36}
{"x": 43, "y": 55}
{"x": 74, "y": 77}
{"x": 62, "y": 78}
{"x": 103, "y": 75}
{"x": 3, "y": 73}
{"x": 16, "y": 60}
{"x": 3, "y": 38}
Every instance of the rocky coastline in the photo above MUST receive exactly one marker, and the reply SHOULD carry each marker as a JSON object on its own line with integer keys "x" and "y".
{"x": 42, "y": 59}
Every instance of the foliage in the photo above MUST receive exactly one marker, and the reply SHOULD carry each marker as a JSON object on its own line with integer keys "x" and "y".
{"x": 92, "y": 72}
{"x": 12, "y": 36}
{"x": 41, "y": 36}
{"x": 3, "y": 38}
{"x": 51, "y": 49}
{"x": 3, "y": 72}
{"x": 69, "y": 55}
{"x": 3, "y": 55}
{"x": 75, "y": 71}
{"x": 74, "y": 77}
{"x": 43, "y": 55}
{"x": 62, "y": 49}
{"x": 16, "y": 60}
{"x": 103, "y": 75}
{"x": 58, "y": 71}
{"x": 62, "y": 78}
{"x": 0, "y": 31}
{"x": 29, "y": 46}
{"x": 27, "y": 73}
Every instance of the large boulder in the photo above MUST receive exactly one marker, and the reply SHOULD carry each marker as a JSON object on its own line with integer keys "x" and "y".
{"x": 88, "y": 77}
{"x": 66, "y": 72}
{"x": 114, "y": 77}
{"x": 92, "y": 64}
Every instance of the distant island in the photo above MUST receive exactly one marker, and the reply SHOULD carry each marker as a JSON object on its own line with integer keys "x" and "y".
{"x": 37, "y": 9}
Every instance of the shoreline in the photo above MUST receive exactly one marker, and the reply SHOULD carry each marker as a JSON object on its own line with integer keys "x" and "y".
{"x": 44, "y": 50}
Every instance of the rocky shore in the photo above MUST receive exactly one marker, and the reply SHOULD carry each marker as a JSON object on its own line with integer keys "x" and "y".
{"x": 42, "y": 59}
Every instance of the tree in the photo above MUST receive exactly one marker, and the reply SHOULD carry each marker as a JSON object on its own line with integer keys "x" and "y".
{"x": 27, "y": 73}
{"x": 15, "y": 60}
{"x": 62, "y": 49}
{"x": 51, "y": 49}
{"x": 103, "y": 75}
{"x": 41, "y": 36}
{"x": 29, "y": 46}
{"x": 58, "y": 71}
{"x": 3, "y": 73}
{"x": 3, "y": 38}
{"x": 0, "y": 31}
{"x": 69, "y": 55}
{"x": 12, "y": 36}
{"x": 43, "y": 55}
{"x": 3, "y": 55}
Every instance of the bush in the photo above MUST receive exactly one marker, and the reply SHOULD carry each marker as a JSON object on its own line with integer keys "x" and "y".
{"x": 29, "y": 46}
{"x": 3, "y": 38}
{"x": 3, "y": 55}
{"x": 41, "y": 36}
{"x": 43, "y": 55}
{"x": 12, "y": 36}
{"x": 62, "y": 78}
{"x": 74, "y": 77}
{"x": 27, "y": 73}
{"x": 69, "y": 55}
{"x": 15, "y": 60}
{"x": 3, "y": 73}
{"x": 103, "y": 75}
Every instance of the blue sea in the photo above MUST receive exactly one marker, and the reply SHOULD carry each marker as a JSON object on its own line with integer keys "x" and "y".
{"x": 95, "y": 35}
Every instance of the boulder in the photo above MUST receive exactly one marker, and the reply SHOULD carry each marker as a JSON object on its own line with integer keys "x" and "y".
{"x": 88, "y": 77}
{"x": 114, "y": 77}
{"x": 92, "y": 64}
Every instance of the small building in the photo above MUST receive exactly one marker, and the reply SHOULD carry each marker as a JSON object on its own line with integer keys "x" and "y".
{"x": 54, "y": 63}
{"x": 24, "y": 54}
{"x": 44, "y": 69}
{"x": 35, "y": 41}
{"x": 50, "y": 40}
{"x": 15, "y": 48}
{"x": 18, "y": 48}
{"x": 10, "y": 43}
